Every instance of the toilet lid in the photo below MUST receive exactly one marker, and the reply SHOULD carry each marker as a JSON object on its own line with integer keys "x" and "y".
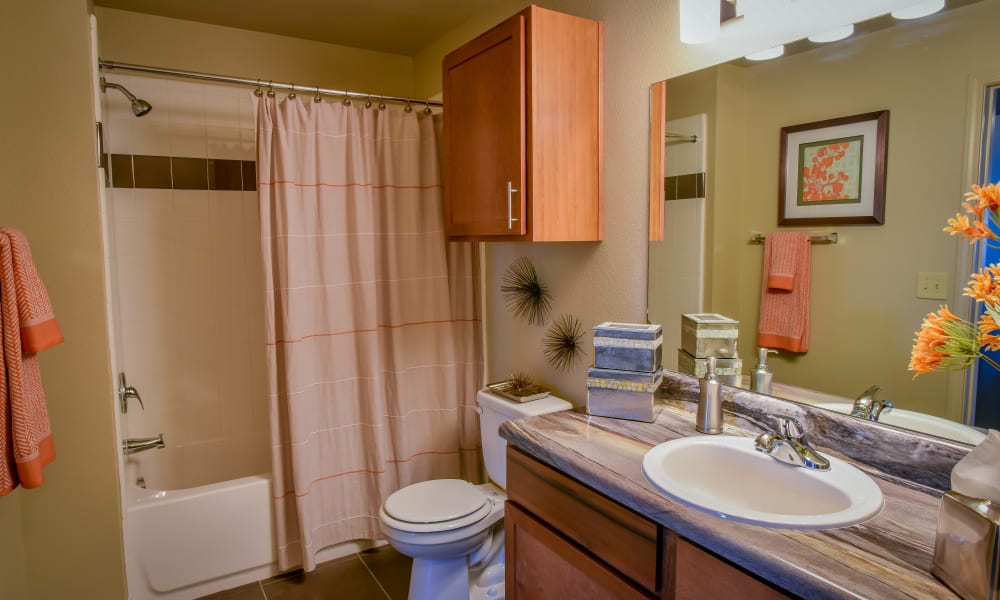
{"x": 435, "y": 501}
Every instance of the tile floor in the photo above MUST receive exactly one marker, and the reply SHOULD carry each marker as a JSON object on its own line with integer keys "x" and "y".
{"x": 377, "y": 574}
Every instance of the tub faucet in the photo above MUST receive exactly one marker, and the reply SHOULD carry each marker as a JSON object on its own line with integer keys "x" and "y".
{"x": 133, "y": 445}
{"x": 790, "y": 446}
{"x": 868, "y": 407}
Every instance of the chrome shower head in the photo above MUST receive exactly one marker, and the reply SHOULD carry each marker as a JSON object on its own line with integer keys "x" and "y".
{"x": 139, "y": 106}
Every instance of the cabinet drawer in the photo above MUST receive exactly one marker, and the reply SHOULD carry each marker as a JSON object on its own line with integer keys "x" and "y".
{"x": 698, "y": 575}
{"x": 614, "y": 534}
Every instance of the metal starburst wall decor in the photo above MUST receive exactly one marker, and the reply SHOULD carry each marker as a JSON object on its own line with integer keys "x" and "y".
{"x": 525, "y": 295}
{"x": 563, "y": 345}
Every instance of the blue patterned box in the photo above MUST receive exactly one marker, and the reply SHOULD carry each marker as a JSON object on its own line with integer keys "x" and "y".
{"x": 628, "y": 347}
{"x": 623, "y": 394}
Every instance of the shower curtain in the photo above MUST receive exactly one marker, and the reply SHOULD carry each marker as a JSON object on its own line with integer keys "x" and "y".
{"x": 373, "y": 338}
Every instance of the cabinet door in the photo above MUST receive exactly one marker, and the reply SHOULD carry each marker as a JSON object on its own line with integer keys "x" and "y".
{"x": 542, "y": 565}
{"x": 484, "y": 136}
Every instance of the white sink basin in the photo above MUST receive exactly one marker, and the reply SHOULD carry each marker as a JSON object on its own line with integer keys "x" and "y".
{"x": 725, "y": 476}
{"x": 918, "y": 422}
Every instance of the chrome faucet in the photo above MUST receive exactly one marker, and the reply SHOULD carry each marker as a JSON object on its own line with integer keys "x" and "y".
{"x": 789, "y": 446}
{"x": 868, "y": 407}
{"x": 133, "y": 445}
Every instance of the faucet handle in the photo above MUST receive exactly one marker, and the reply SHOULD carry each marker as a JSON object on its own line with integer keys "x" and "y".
{"x": 790, "y": 427}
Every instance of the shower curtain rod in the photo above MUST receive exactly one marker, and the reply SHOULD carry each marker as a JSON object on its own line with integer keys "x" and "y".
{"x": 258, "y": 83}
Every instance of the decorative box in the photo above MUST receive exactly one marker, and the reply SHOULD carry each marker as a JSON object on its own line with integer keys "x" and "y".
{"x": 623, "y": 394}
{"x": 724, "y": 367}
{"x": 967, "y": 546}
{"x": 709, "y": 334}
{"x": 628, "y": 347}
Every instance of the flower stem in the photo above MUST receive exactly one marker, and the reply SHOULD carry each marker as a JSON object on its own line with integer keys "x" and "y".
{"x": 991, "y": 361}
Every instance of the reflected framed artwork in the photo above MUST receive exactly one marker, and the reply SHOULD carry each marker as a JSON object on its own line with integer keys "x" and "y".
{"x": 833, "y": 172}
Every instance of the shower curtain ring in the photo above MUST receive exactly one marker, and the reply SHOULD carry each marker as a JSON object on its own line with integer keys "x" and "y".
{"x": 317, "y": 98}
{"x": 368, "y": 103}
{"x": 347, "y": 99}
{"x": 257, "y": 91}
{"x": 291, "y": 95}
{"x": 408, "y": 108}
{"x": 427, "y": 108}
{"x": 381, "y": 103}
{"x": 270, "y": 90}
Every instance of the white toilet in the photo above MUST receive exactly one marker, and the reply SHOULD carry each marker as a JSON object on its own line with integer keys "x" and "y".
{"x": 452, "y": 528}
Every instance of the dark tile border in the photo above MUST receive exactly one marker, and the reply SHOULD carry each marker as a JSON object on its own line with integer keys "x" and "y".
{"x": 682, "y": 187}
{"x": 179, "y": 173}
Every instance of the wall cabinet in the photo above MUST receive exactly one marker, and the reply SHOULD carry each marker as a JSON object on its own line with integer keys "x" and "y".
{"x": 523, "y": 131}
{"x": 565, "y": 540}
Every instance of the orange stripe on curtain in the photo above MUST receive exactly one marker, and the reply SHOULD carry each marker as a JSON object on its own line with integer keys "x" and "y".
{"x": 310, "y": 158}
{"x": 370, "y": 330}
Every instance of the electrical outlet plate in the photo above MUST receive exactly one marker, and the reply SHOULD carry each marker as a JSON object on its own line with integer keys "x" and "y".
{"x": 932, "y": 285}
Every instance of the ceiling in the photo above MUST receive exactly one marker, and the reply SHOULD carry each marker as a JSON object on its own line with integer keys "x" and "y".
{"x": 395, "y": 26}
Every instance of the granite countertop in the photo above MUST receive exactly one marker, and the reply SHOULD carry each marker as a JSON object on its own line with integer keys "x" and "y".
{"x": 888, "y": 556}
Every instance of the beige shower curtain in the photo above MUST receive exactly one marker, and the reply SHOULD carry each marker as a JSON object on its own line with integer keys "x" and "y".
{"x": 373, "y": 334}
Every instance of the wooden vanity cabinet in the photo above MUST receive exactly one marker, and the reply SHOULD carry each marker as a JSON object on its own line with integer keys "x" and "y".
{"x": 565, "y": 540}
{"x": 522, "y": 143}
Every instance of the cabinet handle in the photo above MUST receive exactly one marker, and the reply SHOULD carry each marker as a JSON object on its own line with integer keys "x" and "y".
{"x": 510, "y": 205}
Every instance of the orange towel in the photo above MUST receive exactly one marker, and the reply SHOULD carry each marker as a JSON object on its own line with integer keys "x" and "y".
{"x": 784, "y": 297}
{"x": 26, "y": 327}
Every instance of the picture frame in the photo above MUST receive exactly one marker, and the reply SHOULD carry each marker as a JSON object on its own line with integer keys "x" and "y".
{"x": 833, "y": 172}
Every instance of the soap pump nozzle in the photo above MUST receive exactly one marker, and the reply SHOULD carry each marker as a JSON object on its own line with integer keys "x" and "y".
{"x": 760, "y": 378}
{"x": 709, "y": 417}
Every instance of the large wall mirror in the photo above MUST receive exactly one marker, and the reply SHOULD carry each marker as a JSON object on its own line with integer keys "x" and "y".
{"x": 721, "y": 188}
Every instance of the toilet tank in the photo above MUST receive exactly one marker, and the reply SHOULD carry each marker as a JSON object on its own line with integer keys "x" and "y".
{"x": 494, "y": 410}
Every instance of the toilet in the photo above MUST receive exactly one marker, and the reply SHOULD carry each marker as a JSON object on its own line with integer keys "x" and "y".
{"x": 453, "y": 529}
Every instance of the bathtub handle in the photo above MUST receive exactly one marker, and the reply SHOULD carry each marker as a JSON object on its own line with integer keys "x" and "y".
{"x": 125, "y": 392}
{"x": 133, "y": 445}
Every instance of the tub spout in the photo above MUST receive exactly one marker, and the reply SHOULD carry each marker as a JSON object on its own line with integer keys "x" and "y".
{"x": 133, "y": 445}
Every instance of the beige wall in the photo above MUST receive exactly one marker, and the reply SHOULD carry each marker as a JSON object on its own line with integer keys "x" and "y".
{"x": 864, "y": 309}
{"x": 157, "y": 41}
{"x": 70, "y": 527}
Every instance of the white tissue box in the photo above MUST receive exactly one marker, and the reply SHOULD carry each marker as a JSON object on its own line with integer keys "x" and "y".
{"x": 966, "y": 548}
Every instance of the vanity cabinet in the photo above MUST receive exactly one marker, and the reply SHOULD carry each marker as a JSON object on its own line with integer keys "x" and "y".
{"x": 523, "y": 132}
{"x": 564, "y": 540}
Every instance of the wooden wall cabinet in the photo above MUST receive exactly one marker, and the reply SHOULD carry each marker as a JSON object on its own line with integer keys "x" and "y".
{"x": 565, "y": 540}
{"x": 523, "y": 131}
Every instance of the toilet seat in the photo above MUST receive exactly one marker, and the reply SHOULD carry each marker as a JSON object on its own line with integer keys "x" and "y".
{"x": 436, "y": 505}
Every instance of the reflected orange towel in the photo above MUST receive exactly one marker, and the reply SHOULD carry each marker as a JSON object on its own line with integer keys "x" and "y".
{"x": 26, "y": 327}
{"x": 784, "y": 297}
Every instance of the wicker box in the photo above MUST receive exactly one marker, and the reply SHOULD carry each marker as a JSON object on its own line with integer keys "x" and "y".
{"x": 628, "y": 347}
{"x": 724, "y": 367}
{"x": 709, "y": 334}
{"x": 623, "y": 394}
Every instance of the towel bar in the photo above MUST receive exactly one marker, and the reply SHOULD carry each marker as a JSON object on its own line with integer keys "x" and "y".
{"x": 830, "y": 238}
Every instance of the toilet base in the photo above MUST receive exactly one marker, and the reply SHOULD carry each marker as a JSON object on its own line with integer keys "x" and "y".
{"x": 453, "y": 579}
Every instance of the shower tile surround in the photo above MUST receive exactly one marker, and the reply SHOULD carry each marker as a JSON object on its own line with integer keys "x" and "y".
{"x": 189, "y": 302}
{"x": 678, "y": 261}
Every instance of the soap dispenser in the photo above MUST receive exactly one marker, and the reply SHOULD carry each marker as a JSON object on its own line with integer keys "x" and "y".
{"x": 760, "y": 378}
{"x": 709, "y": 417}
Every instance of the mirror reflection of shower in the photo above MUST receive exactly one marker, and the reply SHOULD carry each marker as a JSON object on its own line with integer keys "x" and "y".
{"x": 139, "y": 106}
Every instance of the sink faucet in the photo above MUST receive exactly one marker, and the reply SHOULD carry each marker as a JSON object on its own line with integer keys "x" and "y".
{"x": 868, "y": 407}
{"x": 789, "y": 446}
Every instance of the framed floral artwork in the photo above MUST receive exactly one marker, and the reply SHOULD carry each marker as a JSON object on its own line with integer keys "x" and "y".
{"x": 833, "y": 172}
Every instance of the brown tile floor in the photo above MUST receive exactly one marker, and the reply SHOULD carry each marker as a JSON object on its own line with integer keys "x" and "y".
{"x": 378, "y": 574}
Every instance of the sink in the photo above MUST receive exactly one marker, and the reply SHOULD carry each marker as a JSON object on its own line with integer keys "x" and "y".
{"x": 918, "y": 422}
{"x": 726, "y": 477}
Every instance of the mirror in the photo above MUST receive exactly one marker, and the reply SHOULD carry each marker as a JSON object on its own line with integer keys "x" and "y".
{"x": 931, "y": 75}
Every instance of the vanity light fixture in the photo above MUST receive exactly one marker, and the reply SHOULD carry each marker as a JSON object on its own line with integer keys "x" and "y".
{"x": 833, "y": 35}
{"x": 921, "y": 9}
{"x": 768, "y": 54}
{"x": 700, "y": 21}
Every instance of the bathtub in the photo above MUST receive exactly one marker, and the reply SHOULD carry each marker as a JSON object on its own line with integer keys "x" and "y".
{"x": 187, "y": 543}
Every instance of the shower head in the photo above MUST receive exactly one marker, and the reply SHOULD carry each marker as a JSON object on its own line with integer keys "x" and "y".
{"x": 139, "y": 106}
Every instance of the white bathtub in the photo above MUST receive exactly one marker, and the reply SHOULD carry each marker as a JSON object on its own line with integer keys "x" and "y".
{"x": 184, "y": 544}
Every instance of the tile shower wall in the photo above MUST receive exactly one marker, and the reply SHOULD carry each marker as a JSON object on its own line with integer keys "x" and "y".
{"x": 677, "y": 264}
{"x": 189, "y": 284}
